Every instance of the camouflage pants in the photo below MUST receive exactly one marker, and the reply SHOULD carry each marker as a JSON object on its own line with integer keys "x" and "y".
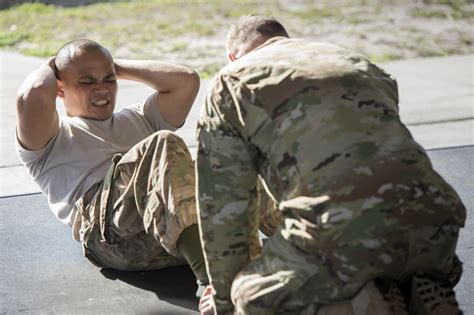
{"x": 315, "y": 259}
{"x": 134, "y": 217}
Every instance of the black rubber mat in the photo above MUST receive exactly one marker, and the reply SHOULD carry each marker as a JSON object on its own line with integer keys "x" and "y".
{"x": 43, "y": 270}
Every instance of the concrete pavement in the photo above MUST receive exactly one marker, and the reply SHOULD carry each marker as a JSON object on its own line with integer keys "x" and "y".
{"x": 436, "y": 103}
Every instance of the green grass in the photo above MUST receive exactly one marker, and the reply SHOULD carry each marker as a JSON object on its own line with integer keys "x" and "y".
{"x": 456, "y": 5}
{"x": 133, "y": 23}
{"x": 317, "y": 13}
{"x": 179, "y": 46}
{"x": 192, "y": 32}
{"x": 431, "y": 13}
{"x": 456, "y": 9}
{"x": 10, "y": 38}
{"x": 207, "y": 71}
{"x": 384, "y": 57}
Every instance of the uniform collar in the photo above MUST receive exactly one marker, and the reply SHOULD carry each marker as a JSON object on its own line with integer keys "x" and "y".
{"x": 270, "y": 41}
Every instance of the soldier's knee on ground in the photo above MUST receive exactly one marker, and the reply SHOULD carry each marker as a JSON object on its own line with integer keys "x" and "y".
{"x": 256, "y": 290}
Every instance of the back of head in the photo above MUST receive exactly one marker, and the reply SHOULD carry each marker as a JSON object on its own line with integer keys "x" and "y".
{"x": 72, "y": 50}
{"x": 251, "y": 31}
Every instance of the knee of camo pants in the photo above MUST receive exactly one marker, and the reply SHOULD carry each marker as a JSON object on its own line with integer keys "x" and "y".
{"x": 266, "y": 284}
{"x": 247, "y": 289}
{"x": 154, "y": 190}
{"x": 164, "y": 187}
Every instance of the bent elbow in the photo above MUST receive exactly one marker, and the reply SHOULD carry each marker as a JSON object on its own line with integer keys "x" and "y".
{"x": 20, "y": 101}
{"x": 34, "y": 94}
{"x": 24, "y": 95}
{"x": 195, "y": 80}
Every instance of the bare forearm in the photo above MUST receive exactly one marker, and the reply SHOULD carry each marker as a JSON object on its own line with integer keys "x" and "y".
{"x": 177, "y": 85}
{"x": 161, "y": 76}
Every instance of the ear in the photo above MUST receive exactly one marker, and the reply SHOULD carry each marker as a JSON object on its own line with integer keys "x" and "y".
{"x": 231, "y": 57}
{"x": 60, "y": 86}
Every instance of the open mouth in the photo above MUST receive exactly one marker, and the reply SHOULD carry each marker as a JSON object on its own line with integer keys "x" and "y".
{"x": 101, "y": 103}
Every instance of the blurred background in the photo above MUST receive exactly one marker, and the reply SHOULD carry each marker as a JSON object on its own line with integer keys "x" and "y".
{"x": 193, "y": 32}
{"x": 426, "y": 44}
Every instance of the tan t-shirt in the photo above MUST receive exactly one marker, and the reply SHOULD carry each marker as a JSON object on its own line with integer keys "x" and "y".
{"x": 81, "y": 153}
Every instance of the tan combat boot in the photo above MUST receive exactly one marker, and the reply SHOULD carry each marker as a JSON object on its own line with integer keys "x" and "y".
{"x": 430, "y": 297}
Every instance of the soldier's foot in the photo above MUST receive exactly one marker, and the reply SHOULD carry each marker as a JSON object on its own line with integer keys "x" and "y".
{"x": 431, "y": 297}
{"x": 394, "y": 299}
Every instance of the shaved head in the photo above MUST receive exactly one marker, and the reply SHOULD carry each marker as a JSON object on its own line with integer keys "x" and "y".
{"x": 251, "y": 31}
{"x": 73, "y": 50}
{"x": 86, "y": 79}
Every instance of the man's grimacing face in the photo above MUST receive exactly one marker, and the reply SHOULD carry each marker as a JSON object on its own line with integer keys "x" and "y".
{"x": 88, "y": 85}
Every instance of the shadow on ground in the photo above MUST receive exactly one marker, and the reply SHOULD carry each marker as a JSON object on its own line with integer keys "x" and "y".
{"x": 171, "y": 285}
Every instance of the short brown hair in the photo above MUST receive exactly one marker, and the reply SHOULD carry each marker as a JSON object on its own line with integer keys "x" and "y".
{"x": 251, "y": 28}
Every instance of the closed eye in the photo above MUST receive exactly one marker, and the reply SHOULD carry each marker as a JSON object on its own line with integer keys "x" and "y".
{"x": 86, "y": 81}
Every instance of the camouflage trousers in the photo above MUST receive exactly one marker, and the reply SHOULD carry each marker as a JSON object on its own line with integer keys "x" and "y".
{"x": 133, "y": 218}
{"x": 315, "y": 258}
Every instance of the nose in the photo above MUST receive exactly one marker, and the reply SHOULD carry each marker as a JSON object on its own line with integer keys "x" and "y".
{"x": 101, "y": 89}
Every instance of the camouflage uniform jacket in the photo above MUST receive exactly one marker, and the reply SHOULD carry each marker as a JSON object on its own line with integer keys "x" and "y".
{"x": 311, "y": 119}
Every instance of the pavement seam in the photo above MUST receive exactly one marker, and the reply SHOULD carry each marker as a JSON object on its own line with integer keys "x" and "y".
{"x": 443, "y": 121}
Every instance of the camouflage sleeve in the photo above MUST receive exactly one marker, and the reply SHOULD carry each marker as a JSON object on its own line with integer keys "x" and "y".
{"x": 227, "y": 176}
